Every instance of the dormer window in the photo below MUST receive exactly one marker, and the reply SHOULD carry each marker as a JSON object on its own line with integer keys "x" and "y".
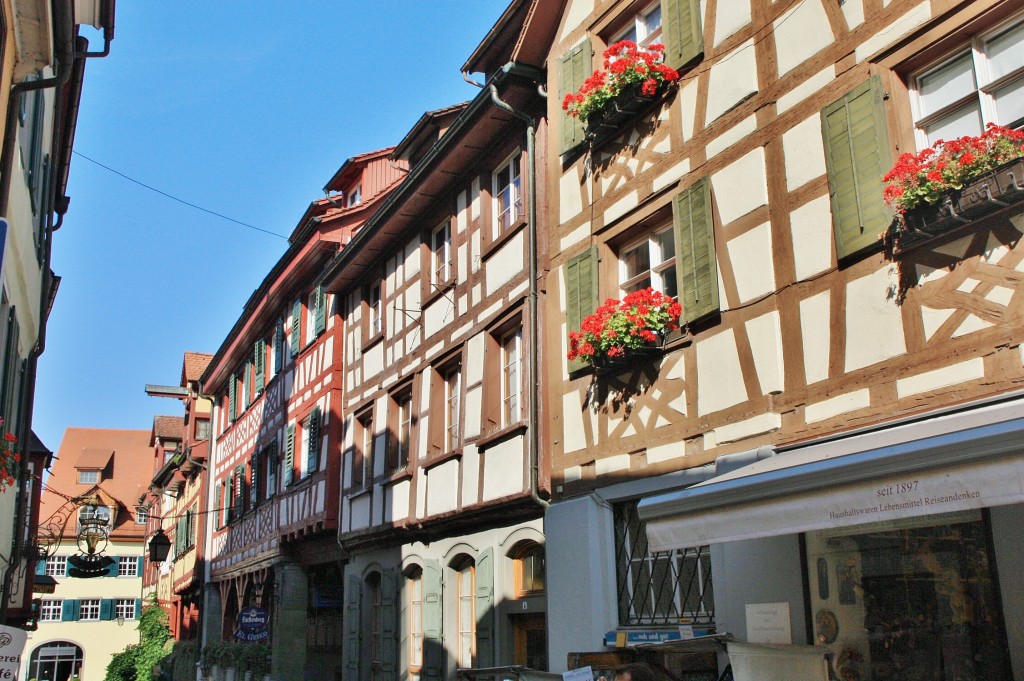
{"x": 355, "y": 197}
{"x": 88, "y": 477}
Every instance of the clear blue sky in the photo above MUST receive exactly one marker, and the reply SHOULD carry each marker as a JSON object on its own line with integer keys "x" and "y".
{"x": 243, "y": 108}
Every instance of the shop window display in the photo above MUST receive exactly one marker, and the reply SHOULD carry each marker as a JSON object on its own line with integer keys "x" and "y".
{"x": 911, "y": 600}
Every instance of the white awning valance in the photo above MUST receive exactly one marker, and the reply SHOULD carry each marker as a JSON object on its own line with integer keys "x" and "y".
{"x": 954, "y": 462}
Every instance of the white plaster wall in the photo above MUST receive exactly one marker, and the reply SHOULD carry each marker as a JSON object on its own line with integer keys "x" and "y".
{"x": 811, "y": 227}
{"x": 503, "y": 468}
{"x": 804, "y": 151}
{"x": 732, "y": 78}
{"x": 506, "y": 263}
{"x": 719, "y": 378}
{"x": 741, "y": 186}
{"x": 373, "y": 361}
{"x": 753, "y": 265}
{"x": 894, "y": 31}
{"x": 570, "y": 193}
{"x": 437, "y": 315}
{"x": 730, "y": 16}
{"x": 470, "y": 475}
{"x": 398, "y": 502}
{"x": 573, "y": 435}
{"x": 442, "y": 487}
{"x": 872, "y": 313}
{"x": 815, "y": 330}
{"x": 801, "y": 33}
{"x": 575, "y": 13}
{"x": 765, "y": 334}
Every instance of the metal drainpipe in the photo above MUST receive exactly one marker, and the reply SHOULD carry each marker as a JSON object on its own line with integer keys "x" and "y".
{"x": 531, "y": 228}
{"x": 65, "y": 63}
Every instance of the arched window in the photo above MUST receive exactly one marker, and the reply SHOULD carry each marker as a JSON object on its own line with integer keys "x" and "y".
{"x": 528, "y": 559}
{"x": 56, "y": 660}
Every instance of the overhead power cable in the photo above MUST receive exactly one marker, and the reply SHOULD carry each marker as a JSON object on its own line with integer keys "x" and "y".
{"x": 175, "y": 198}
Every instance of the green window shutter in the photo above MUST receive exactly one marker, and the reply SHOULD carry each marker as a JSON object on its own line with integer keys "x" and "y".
{"x": 575, "y": 68}
{"x": 138, "y": 608}
{"x": 313, "y": 455}
{"x": 485, "y": 609}
{"x": 684, "y": 37}
{"x": 254, "y": 484}
{"x": 388, "y": 636}
{"x": 106, "y": 609}
{"x": 41, "y": 568}
{"x": 321, "y": 310}
{"x": 69, "y": 610}
{"x": 289, "y": 455}
{"x": 856, "y": 158}
{"x": 272, "y": 464}
{"x": 353, "y": 627}
{"x": 260, "y": 363}
{"x": 218, "y": 514}
{"x": 581, "y": 293}
{"x": 278, "y": 345}
{"x": 232, "y": 398}
{"x": 433, "y": 622}
{"x": 140, "y": 566}
{"x": 696, "y": 267}
{"x": 229, "y": 497}
{"x": 112, "y": 568}
{"x": 294, "y": 340}
{"x": 241, "y": 487}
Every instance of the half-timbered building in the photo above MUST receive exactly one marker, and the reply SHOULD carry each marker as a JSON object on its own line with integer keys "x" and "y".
{"x": 176, "y": 500}
{"x": 441, "y": 509}
{"x": 275, "y": 466}
{"x": 834, "y": 432}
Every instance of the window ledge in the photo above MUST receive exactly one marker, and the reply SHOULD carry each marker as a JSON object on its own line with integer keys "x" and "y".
{"x": 439, "y": 459}
{"x": 501, "y": 435}
{"x": 399, "y": 475}
{"x": 372, "y": 340}
{"x": 357, "y": 492}
{"x": 495, "y": 244}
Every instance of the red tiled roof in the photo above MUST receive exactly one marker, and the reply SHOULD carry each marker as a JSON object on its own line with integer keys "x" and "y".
{"x": 172, "y": 427}
{"x": 194, "y": 366}
{"x": 125, "y": 479}
{"x": 94, "y": 459}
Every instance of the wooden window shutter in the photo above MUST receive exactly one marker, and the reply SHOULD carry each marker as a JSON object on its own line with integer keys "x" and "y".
{"x": 278, "y": 345}
{"x": 684, "y": 36}
{"x": 492, "y": 384}
{"x": 138, "y": 608}
{"x": 259, "y": 358}
{"x": 232, "y": 398}
{"x": 218, "y": 515}
{"x": 69, "y": 610}
{"x": 485, "y": 609}
{"x": 433, "y": 622}
{"x": 139, "y": 569}
{"x": 581, "y": 294}
{"x": 388, "y": 633}
{"x": 353, "y": 625}
{"x": 321, "y": 310}
{"x": 856, "y": 158}
{"x": 575, "y": 68}
{"x": 41, "y": 567}
{"x": 241, "y": 493}
{"x": 254, "y": 483}
{"x": 294, "y": 340}
{"x": 289, "y": 455}
{"x": 696, "y": 267}
{"x": 112, "y": 568}
{"x": 313, "y": 455}
{"x": 106, "y": 609}
{"x": 229, "y": 497}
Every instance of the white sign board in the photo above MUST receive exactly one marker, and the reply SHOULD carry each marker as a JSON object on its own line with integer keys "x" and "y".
{"x": 768, "y": 623}
{"x": 12, "y": 645}
{"x": 583, "y": 674}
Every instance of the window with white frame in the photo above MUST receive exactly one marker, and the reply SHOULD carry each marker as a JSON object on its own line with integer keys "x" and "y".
{"x": 311, "y": 305}
{"x": 355, "y": 196}
{"x": 441, "y": 254}
{"x": 508, "y": 198}
{"x": 127, "y": 566}
{"x": 402, "y": 404}
{"x": 50, "y": 610}
{"x": 375, "y": 303}
{"x": 644, "y": 28}
{"x": 980, "y": 84}
{"x": 466, "y": 616}
{"x": 141, "y": 515}
{"x": 511, "y": 376}
{"x": 649, "y": 262}
{"x": 414, "y": 587}
{"x": 124, "y": 608}
{"x": 57, "y": 566}
{"x": 89, "y": 609}
{"x": 452, "y": 377}
{"x": 203, "y": 427}
{"x": 88, "y": 477}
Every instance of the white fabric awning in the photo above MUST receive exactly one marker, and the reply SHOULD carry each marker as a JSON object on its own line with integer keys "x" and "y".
{"x": 954, "y": 462}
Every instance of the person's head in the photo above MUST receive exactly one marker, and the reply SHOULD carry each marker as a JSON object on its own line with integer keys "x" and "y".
{"x": 634, "y": 672}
